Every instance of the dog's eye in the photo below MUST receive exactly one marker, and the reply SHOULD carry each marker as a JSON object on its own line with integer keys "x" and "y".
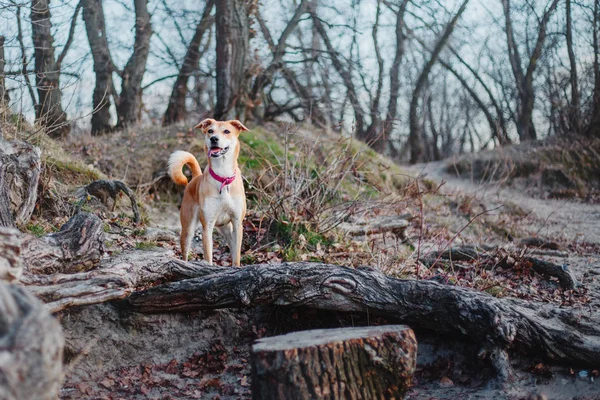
{"x": 227, "y": 131}
{"x": 210, "y": 131}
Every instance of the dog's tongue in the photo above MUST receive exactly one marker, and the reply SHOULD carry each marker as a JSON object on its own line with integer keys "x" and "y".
{"x": 214, "y": 150}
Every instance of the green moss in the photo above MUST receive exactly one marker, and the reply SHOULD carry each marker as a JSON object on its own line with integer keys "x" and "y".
{"x": 35, "y": 229}
{"x": 145, "y": 245}
{"x": 72, "y": 172}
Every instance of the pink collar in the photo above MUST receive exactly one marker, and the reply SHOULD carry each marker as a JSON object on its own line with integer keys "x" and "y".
{"x": 224, "y": 181}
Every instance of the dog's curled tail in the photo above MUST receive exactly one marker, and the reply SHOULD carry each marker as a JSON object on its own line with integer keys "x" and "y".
{"x": 176, "y": 162}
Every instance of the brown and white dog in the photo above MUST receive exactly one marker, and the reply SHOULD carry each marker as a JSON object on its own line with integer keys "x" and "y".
{"x": 215, "y": 197}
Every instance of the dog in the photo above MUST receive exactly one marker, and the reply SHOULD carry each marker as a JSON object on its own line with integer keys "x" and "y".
{"x": 216, "y": 197}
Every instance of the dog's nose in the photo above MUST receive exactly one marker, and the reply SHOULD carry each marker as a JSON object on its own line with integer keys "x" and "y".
{"x": 214, "y": 139}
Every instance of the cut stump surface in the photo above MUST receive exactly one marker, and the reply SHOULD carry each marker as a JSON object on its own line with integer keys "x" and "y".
{"x": 347, "y": 363}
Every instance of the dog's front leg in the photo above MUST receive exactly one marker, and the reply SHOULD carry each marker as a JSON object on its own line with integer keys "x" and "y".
{"x": 236, "y": 251}
{"x": 207, "y": 241}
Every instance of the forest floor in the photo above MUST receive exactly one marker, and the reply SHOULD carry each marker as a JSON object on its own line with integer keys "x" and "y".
{"x": 314, "y": 196}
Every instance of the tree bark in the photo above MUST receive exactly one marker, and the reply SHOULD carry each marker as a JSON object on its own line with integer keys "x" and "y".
{"x": 78, "y": 246}
{"x": 32, "y": 347}
{"x": 176, "y": 110}
{"x": 232, "y": 27}
{"x": 49, "y": 112}
{"x": 346, "y": 363}
{"x": 414, "y": 138}
{"x": 20, "y": 168}
{"x": 130, "y": 99}
{"x": 546, "y": 330}
{"x": 93, "y": 16}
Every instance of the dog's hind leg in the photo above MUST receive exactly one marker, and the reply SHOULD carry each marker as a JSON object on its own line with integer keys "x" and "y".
{"x": 189, "y": 220}
{"x": 227, "y": 232}
{"x": 207, "y": 241}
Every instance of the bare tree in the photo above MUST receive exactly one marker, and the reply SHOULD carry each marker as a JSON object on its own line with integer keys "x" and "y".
{"x": 4, "y": 99}
{"x": 49, "y": 111}
{"x": 593, "y": 128}
{"x": 93, "y": 15}
{"x": 414, "y": 139}
{"x": 344, "y": 72}
{"x": 524, "y": 78}
{"x": 574, "y": 117}
{"x": 266, "y": 76}
{"x": 232, "y": 27}
{"x": 392, "y": 109}
{"x": 176, "y": 110}
{"x": 130, "y": 99}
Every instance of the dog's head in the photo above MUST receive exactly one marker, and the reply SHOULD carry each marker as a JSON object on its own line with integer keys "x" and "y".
{"x": 220, "y": 136}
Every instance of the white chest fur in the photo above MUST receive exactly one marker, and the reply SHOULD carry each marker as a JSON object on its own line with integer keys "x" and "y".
{"x": 222, "y": 209}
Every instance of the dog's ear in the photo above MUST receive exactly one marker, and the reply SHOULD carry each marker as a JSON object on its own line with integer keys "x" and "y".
{"x": 240, "y": 127}
{"x": 204, "y": 124}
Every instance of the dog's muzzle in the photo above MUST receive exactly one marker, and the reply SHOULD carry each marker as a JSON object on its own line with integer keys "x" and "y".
{"x": 216, "y": 152}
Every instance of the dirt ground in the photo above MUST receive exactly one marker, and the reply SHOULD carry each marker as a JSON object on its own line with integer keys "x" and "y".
{"x": 115, "y": 354}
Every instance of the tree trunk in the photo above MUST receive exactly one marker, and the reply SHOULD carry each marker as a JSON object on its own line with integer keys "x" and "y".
{"x": 20, "y": 169}
{"x": 49, "y": 112}
{"x": 32, "y": 347}
{"x": 4, "y": 98}
{"x": 414, "y": 138}
{"x": 93, "y": 15}
{"x": 130, "y": 100}
{"x": 232, "y": 27}
{"x": 176, "y": 110}
{"x": 392, "y": 109}
{"x": 574, "y": 109}
{"x": 593, "y": 128}
{"x": 346, "y": 363}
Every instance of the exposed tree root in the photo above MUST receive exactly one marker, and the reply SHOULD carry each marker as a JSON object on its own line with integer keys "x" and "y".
{"x": 107, "y": 192}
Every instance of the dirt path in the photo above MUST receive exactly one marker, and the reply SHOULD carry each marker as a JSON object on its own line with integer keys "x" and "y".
{"x": 554, "y": 219}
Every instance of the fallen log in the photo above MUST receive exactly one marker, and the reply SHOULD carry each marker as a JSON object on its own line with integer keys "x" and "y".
{"x": 394, "y": 224}
{"x": 77, "y": 247}
{"x": 31, "y": 347}
{"x": 113, "y": 279}
{"x": 20, "y": 169}
{"x": 497, "y": 257}
{"x": 346, "y": 363}
{"x": 498, "y": 324}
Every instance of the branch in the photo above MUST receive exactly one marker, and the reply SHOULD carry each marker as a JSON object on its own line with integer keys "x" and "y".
{"x": 63, "y": 54}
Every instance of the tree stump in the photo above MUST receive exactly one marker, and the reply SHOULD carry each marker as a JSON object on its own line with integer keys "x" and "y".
{"x": 31, "y": 347}
{"x": 20, "y": 169}
{"x": 347, "y": 363}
